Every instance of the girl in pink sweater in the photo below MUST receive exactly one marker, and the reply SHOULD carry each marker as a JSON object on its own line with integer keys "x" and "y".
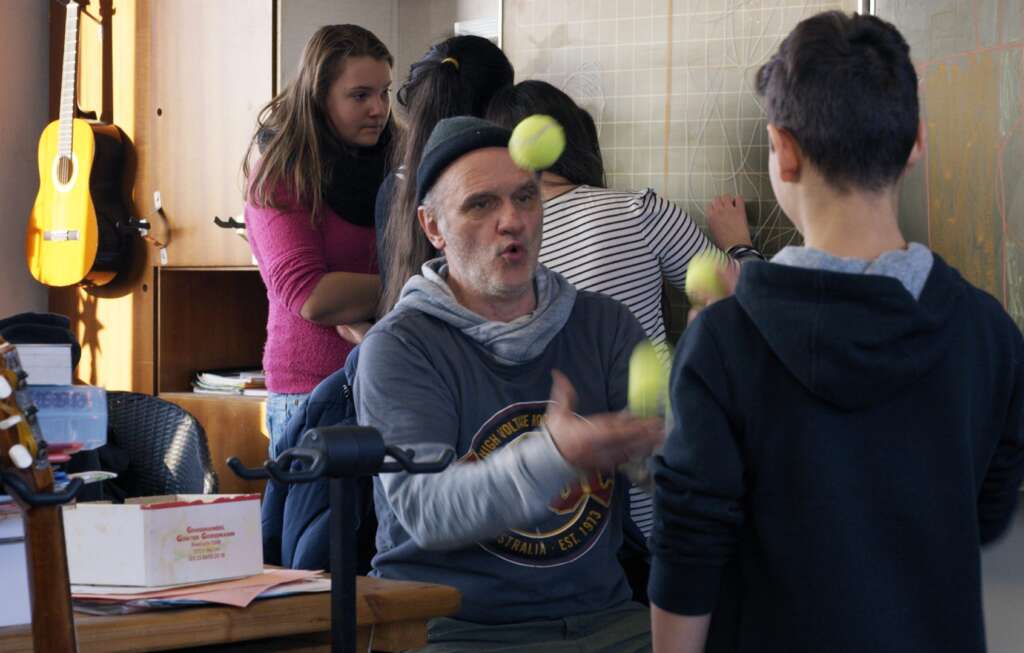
{"x": 312, "y": 172}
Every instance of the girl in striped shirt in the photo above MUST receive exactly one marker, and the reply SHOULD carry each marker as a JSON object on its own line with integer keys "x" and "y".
{"x": 620, "y": 243}
{"x": 623, "y": 244}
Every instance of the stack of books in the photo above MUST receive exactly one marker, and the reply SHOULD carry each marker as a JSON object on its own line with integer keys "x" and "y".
{"x": 231, "y": 382}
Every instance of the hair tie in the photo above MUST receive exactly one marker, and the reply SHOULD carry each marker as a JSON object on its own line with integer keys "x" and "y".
{"x": 452, "y": 60}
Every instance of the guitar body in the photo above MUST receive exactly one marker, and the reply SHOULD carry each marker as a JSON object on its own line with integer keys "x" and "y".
{"x": 77, "y": 230}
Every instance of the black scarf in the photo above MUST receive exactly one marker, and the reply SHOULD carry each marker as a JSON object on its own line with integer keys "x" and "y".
{"x": 353, "y": 175}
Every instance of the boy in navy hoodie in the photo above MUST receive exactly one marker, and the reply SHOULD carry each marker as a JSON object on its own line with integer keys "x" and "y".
{"x": 849, "y": 426}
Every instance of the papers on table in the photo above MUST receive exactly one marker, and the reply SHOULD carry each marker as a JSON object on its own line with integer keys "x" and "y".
{"x": 240, "y": 592}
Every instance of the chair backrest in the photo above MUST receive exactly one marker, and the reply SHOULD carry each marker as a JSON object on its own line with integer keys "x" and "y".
{"x": 166, "y": 446}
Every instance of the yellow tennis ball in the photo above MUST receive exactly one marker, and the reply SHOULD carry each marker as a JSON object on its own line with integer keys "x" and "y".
{"x": 536, "y": 142}
{"x": 703, "y": 282}
{"x": 648, "y": 381}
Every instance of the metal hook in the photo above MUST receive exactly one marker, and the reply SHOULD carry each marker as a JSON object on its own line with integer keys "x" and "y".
{"x": 17, "y": 486}
{"x": 404, "y": 462}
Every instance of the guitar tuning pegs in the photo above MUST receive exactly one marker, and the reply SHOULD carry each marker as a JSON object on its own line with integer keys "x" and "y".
{"x": 20, "y": 456}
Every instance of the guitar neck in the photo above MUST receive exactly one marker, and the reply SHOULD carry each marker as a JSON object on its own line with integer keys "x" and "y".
{"x": 52, "y": 622}
{"x": 67, "y": 79}
{"x": 23, "y": 462}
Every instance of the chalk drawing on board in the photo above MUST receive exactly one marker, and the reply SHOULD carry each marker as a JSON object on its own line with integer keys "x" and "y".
{"x": 717, "y": 121}
{"x": 584, "y": 86}
{"x": 670, "y": 87}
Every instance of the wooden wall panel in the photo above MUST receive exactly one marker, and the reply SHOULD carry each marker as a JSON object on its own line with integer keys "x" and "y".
{"x": 210, "y": 74}
{"x": 184, "y": 81}
{"x": 115, "y": 326}
{"x": 114, "y": 323}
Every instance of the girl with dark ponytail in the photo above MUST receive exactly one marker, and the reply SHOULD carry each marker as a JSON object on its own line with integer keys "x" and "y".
{"x": 457, "y": 77}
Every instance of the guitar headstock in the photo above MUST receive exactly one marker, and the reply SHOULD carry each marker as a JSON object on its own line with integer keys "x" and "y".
{"x": 22, "y": 448}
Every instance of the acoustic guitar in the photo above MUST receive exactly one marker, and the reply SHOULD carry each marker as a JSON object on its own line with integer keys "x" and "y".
{"x": 28, "y": 477}
{"x": 79, "y": 228}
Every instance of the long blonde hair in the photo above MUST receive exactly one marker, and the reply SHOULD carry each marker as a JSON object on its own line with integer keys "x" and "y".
{"x": 284, "y": 162}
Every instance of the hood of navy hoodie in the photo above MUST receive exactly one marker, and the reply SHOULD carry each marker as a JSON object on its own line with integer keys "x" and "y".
{"x": 852, "y": 339}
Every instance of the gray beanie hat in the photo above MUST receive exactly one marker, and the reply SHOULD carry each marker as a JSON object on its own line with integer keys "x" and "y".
{"x": 452, "y": 138}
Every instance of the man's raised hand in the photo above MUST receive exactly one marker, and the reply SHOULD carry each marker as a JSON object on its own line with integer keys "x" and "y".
{"x": 597, "y": 441}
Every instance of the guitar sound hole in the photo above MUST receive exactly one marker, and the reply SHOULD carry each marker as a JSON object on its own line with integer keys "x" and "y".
{"x": 64, "y": 169}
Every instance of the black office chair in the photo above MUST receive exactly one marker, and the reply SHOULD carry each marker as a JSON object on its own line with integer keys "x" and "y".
{"x": 166, "y": 446}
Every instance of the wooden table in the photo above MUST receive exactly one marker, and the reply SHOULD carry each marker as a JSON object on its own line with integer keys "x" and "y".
{"x": 391, "y": 616}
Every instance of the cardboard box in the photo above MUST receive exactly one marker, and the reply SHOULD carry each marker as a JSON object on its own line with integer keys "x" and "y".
{"x": 15, "y": 607}
{"x": 166, "y": 540}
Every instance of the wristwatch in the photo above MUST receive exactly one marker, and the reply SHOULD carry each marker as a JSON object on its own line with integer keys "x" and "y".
{"x": 742, "y": 253}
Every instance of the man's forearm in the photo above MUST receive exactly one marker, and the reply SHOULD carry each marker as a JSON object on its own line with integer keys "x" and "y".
{"x": 472, "y": 501}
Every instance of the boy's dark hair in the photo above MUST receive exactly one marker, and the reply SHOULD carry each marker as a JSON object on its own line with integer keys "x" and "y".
{"x": 845, "y": 88}
{"x": 581, "y": 162}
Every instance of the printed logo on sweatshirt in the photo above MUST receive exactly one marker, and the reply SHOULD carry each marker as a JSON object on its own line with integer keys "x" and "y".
{"x": 577, "y": 517}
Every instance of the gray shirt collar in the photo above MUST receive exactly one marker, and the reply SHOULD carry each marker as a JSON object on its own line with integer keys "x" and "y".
{"x": 909, "y": 266}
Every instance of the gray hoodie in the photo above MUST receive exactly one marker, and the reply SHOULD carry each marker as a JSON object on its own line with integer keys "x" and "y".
{"x": 510, "y": 524}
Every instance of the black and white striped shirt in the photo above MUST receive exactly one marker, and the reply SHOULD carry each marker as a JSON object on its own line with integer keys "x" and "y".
{"x": 622, "y": 244}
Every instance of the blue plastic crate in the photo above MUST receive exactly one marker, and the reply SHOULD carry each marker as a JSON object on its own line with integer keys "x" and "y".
{"x": 71, "y": 413}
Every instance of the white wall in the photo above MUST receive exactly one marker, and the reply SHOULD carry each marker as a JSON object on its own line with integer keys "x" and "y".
{"x": 407, "y": 27}
{"x": 421, "y": 24}
{"x": 298, "y": 19}
{"x": 24, "y": 62}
